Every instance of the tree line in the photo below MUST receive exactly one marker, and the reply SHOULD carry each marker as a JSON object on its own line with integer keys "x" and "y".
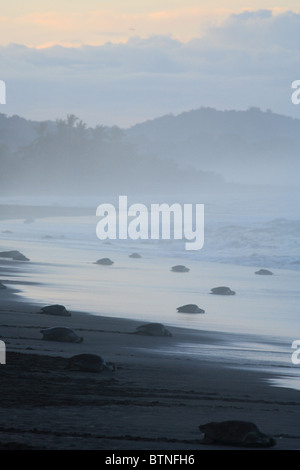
{"x": 68, "y": 157}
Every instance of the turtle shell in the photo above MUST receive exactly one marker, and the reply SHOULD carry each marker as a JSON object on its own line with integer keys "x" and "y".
{"x": 179, "y": 268}
{"x": 61, "y": 333}
{"x": 87, "y": 362}
{"x": 56, "y": 310}
{"x": 264, "y": 272}
{"x": 222, "y": 290}
{"x": 153, "y": 329}
{"x": 134, "y": 255}
{"x": 190, "y": 308}
{"x": 235, "y": 433}
{"x": 105, "y": 261}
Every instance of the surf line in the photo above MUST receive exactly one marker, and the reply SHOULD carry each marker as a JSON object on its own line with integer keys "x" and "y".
{"x": 162, "y": 221}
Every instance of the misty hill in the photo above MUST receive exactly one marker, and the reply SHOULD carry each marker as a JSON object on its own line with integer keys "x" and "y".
{"x": 16, "y": 131}
{"x": 196, "y": 151}
{"x": 66, "y": 157}
{"x": 244, "y": 146}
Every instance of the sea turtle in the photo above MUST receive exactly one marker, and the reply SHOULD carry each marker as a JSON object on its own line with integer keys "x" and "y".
{"x": 134, "y": 255}
{"x": 235, "y": 433}
{"x": 264, "y": 272}
{"x": 222, "y": 291}
{"x": 179, "y": 268}
{"x": 152, "y": 329}
{"x": 20, "y": 257}
{"x": 90, "y": 363}
{"x": 105, "y": 261}
{"x": 56, "y": 310}
{"x": 9, "y": 254}
{"x": 13, "y": 254}
{"x": 190, "y": 308}
{"x": 61, "y": 333}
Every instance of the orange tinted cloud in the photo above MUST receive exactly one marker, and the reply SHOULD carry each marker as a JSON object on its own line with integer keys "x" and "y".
{"x": 50, "y": 20}
{"x": 95, "y": 27}
{"x": 163, "y": 15}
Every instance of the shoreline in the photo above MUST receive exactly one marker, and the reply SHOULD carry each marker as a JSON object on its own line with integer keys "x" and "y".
{"x": 152, "y": 400}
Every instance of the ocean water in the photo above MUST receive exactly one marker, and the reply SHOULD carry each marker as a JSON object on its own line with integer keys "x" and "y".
{"x": 243, "y": 233}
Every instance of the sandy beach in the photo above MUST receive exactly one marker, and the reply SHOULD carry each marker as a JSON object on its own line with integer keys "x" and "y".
{"x": 151, "y": 401}
{"x": 159, "y": 392}
{"x": 150, "y": 229}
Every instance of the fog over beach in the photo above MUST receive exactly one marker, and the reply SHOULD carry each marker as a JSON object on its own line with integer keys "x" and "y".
{"x": 149, "y": 198}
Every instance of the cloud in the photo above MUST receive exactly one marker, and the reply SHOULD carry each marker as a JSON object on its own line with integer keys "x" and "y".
{"x": 94, "y": 25}
{"x": 259, "y": 29}
{"x": 250, "y": 59}
{"x": 45, "y": 20}
{"x": 252, "y": 15}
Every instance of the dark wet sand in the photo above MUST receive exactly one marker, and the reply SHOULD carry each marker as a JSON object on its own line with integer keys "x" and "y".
{"x": 150, "y": 402}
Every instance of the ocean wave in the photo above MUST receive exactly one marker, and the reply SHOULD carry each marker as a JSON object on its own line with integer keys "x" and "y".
{"x": 275, "y": 243}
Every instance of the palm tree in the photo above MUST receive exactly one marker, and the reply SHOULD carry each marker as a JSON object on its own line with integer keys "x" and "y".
{"x": 71, "y": 120}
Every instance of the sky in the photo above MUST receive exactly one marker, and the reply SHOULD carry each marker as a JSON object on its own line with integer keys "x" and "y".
{"x": 123, "y": 62}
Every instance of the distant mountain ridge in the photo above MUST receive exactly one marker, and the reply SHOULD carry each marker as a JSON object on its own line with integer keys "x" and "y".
{"x": 208, "y": 119}
{"x": 244, "y": 146}
{"x": 202, "y": 147}
{"x": 66, "y": 157}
